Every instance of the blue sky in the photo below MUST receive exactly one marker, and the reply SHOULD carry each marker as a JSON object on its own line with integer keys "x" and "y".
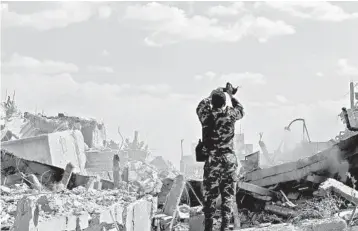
{"x": 146, "y": 65}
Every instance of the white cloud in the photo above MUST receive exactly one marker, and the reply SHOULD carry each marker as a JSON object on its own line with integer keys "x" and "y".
{"x": 198, "y": 77}
{"x": 61, "y": 15}
{"x": 234, "y": 78}
{"x": 281, "y": 99}
{"x": 23, "y": 64}
{"x": 231, "y": 10}
{"x": 319, "y": 74}
{"x": 346, "y": 69}
{"x": 237, "y": 78}
{"x": 315, "y": 10}
{"x": 104, "y": 11}
{"x": 100, "y": 69}
{"x": 170, "y": 24}
{"x": 105, "y": 53}
{"x": 208, "y": 75}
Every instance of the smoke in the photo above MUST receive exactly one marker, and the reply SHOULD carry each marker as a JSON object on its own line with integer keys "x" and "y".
{"x": 337, "y": 167}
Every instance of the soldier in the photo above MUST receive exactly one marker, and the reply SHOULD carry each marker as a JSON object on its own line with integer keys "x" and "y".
{"x": 220, "y": 169}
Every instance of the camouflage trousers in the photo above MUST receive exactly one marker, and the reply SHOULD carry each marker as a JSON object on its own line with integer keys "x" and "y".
{"x": 220, "y": 177}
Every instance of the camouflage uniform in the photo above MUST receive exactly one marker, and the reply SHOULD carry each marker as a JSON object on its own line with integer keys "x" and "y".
{"x": 220, "y": 168}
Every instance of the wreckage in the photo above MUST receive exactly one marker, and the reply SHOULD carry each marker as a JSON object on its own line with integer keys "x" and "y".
{"x": 62, "y": 172}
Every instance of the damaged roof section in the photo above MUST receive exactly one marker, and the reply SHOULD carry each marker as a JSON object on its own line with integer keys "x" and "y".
{"x": 94, "y": 133}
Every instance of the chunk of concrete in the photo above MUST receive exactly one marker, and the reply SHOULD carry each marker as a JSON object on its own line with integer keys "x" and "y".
{"x": 254, "y": 189}
{"x": 343, "y": 190}
{"x": 67, "y": 174}
{"x": 328, "y": 224}
{"x": 174, "y": 196}
{"x": 116, "y": 170}
{"x": 5, "y": 190}
{"x": 294, "y": 170}
{"x": 27, "y": 215}
{"x": 277, "y": 227}
{"x": 196, "y": 223}
{"x": 137, "y": 216}
{"x": 55, "y": 149}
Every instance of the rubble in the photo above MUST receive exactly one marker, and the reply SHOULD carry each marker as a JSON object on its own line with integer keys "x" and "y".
{"x": 61, "y": 172}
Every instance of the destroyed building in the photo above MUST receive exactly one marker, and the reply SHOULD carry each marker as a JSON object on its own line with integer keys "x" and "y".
{"x": 57, "y": 178}
{"x": 66, "y": 158}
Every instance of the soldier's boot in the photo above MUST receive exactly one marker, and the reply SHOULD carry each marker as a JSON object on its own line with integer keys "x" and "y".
{"x": 209, "y": 223}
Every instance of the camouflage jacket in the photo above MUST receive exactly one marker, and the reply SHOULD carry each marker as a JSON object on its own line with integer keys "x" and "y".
{"x": 218, "y": 125}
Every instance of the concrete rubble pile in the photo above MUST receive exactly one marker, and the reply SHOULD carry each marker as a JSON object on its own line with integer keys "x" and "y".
{"x": 145, "y": 176}
{"x": 67, "y": 203}
{"x": 313, "y": 191}
{"x": 59, "y": 172}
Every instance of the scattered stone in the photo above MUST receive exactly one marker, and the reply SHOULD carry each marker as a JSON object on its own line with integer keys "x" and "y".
{"x": 67, "y": 174}
{"x": 5, "y": 190}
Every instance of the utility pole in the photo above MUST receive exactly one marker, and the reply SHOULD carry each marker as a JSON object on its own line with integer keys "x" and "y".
{"x": 181, "y": 159}
{"x": 181, "y": 147}
{"x": 352, "y": 94}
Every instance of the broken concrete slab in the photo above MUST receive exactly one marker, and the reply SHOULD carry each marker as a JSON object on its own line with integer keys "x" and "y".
{"x": 276, "y": 227}
{"x": 67, "y": 174}
{"x": 116, "y": 171}
{"x": 196, "y": 223}
{"x": 56, "y": 149}
{"x": 255, "y": 189}
{"x": 5, "y": 189}
{"x": 299, "y": 169}
{"x": 328, "y": 224}
{"x": 26, "y": 215}
{"x": 343, "y": 190}
{"x": 174, "y": 196}
{"x": 94, "y": 133}
{"x": 11, "y": 179}
{"x": 98, "y": 160}
{"x": 12, "y": 166}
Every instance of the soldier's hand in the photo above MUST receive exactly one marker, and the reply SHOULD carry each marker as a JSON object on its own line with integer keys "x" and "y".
{"x": 230, "y": 89}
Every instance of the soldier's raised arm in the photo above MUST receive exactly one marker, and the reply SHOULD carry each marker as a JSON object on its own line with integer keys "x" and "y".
{"x": 237, "y": 110}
